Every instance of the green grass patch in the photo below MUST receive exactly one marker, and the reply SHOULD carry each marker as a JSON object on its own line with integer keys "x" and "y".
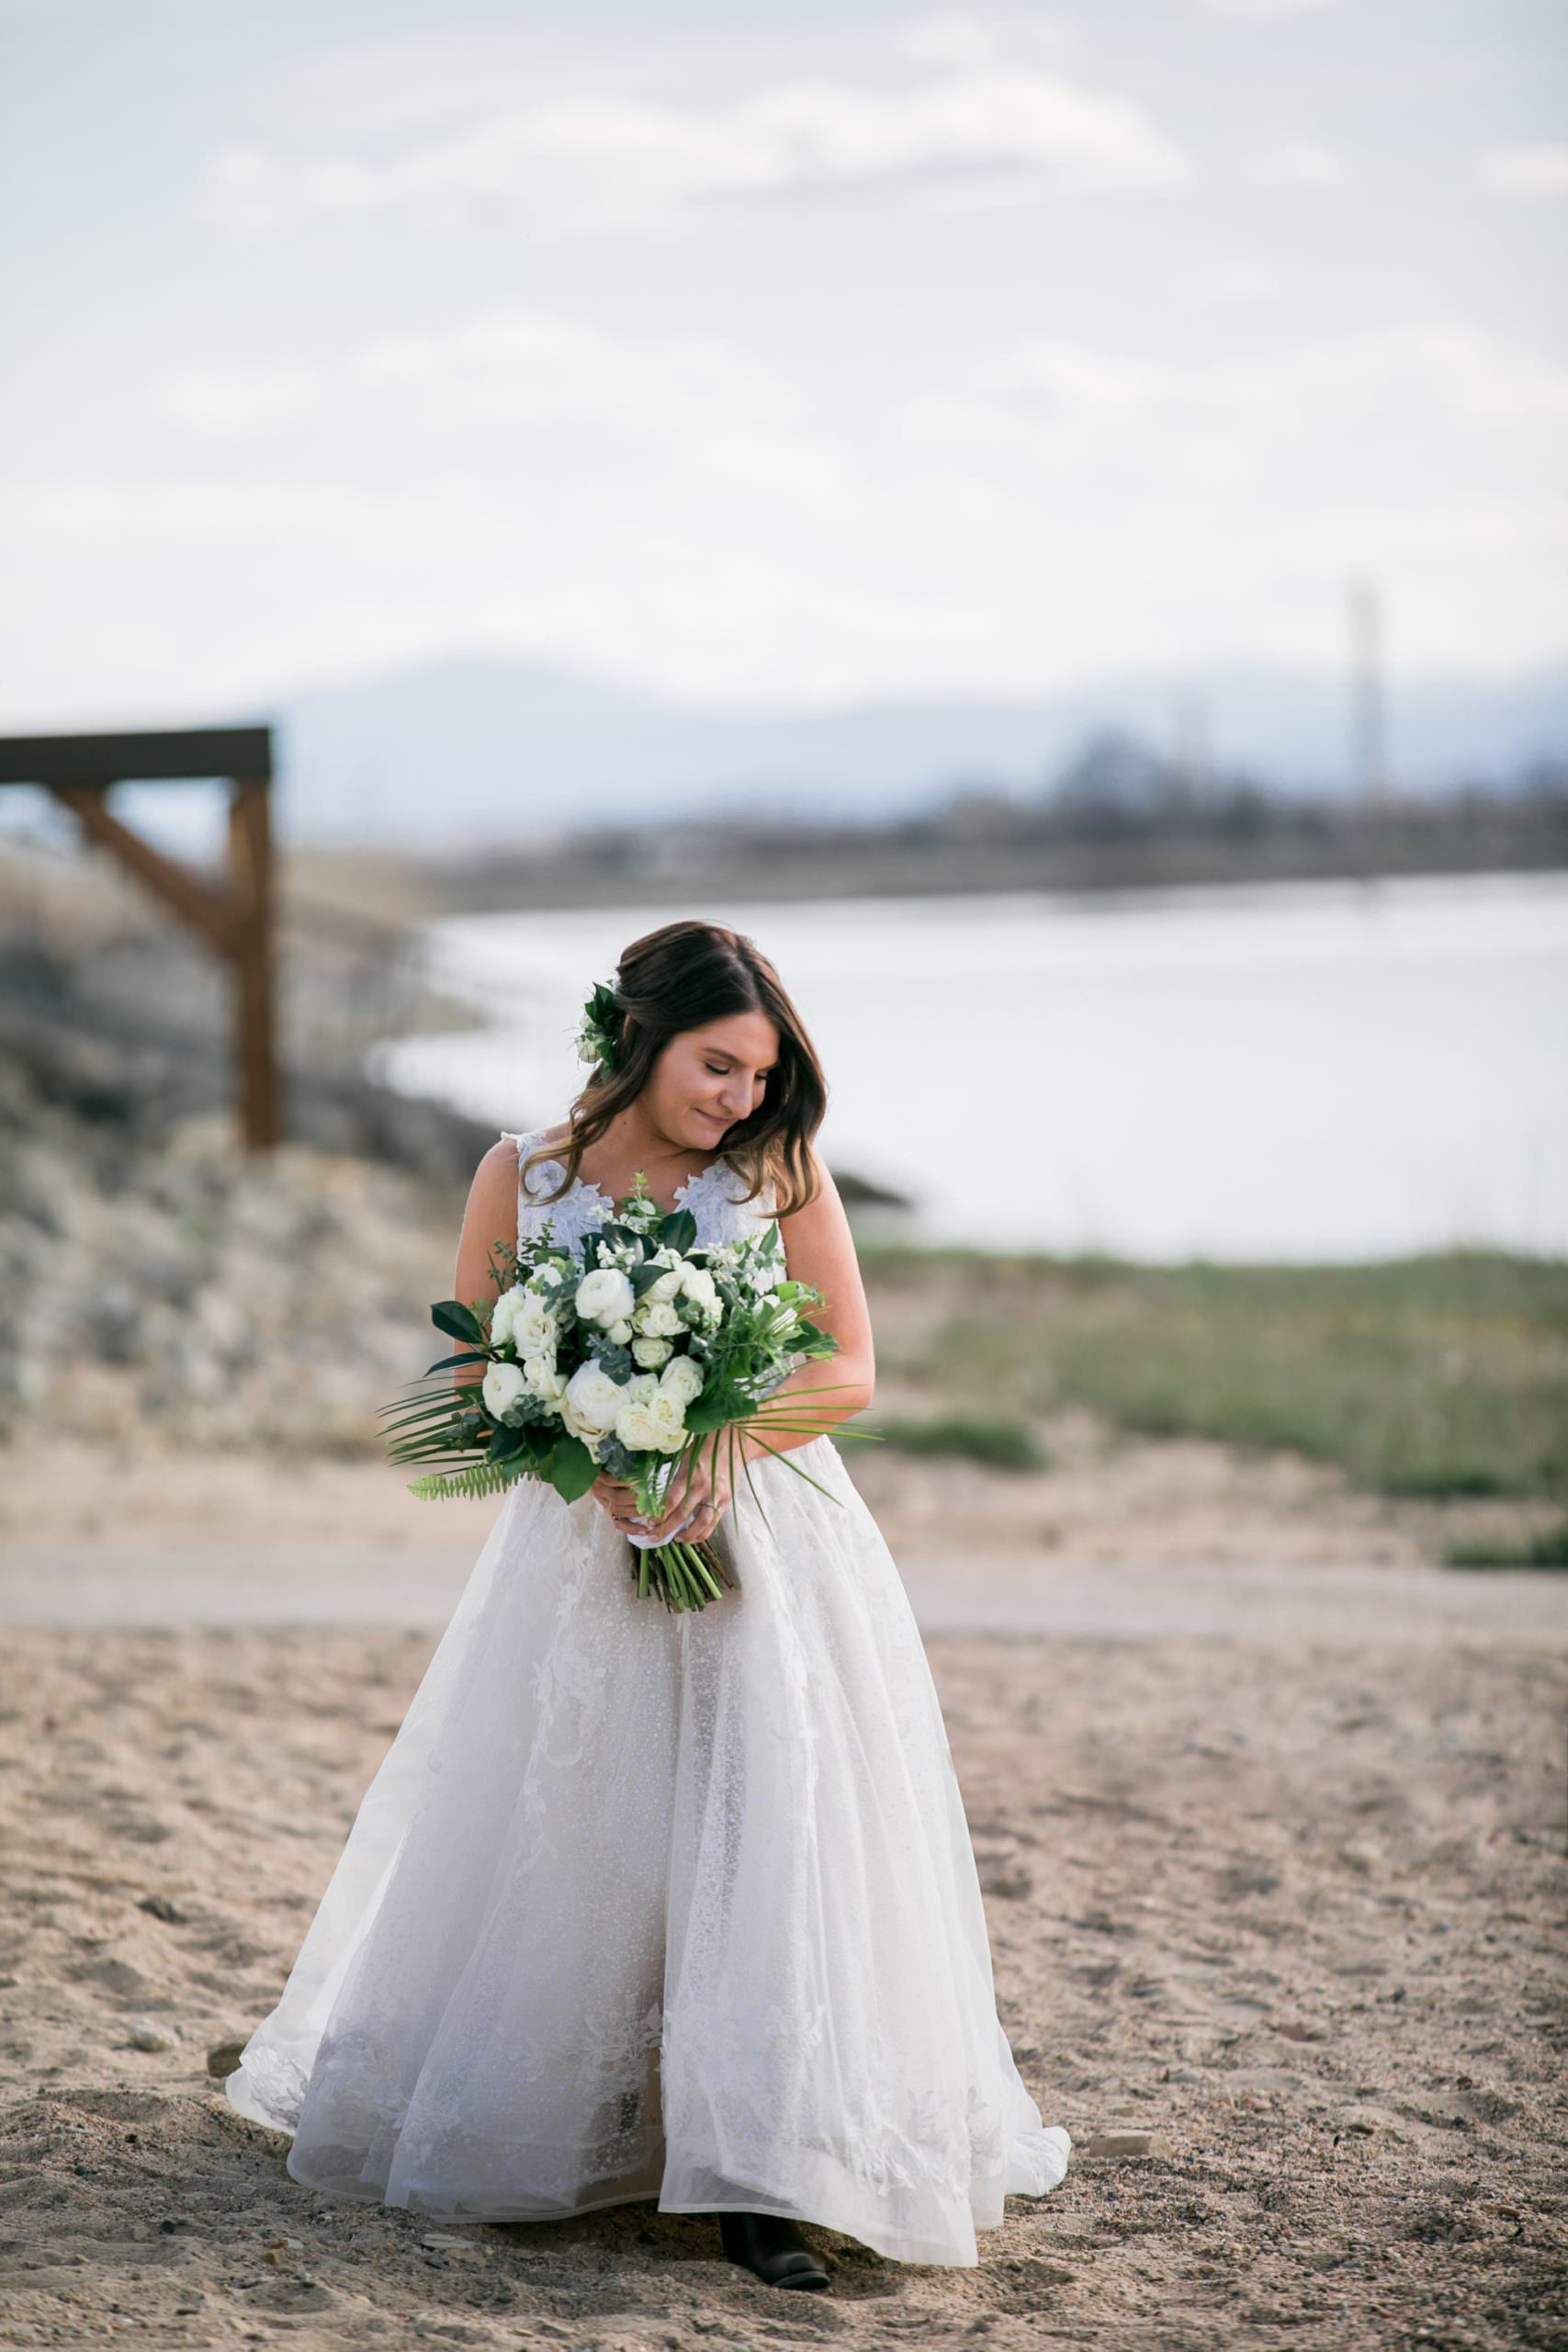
{"x": 1004, "y": 1445}
{"x": 1445, "y": 1375}
{"x": 1547, "y": 1550}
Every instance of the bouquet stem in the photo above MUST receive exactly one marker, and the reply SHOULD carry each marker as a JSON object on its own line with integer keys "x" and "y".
{"x": 684, "y": 1576}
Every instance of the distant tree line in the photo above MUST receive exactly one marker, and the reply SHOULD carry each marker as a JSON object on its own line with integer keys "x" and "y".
{"x": 1117, "y": 814}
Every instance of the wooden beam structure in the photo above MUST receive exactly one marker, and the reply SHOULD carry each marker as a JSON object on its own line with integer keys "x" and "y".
{"x": 235, "y": 919}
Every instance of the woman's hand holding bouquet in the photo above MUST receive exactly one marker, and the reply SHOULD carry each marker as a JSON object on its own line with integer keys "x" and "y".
{"x": 641, "y": 1368}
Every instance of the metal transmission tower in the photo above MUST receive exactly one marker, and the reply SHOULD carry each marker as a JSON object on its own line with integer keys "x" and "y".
{"x": 1193, "y": 753}
{"x": 1369, "y": 713}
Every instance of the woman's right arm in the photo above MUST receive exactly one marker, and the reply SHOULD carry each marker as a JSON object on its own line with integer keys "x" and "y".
{"x": 490, "y": 1222}
{"x": 490, "y": 1219}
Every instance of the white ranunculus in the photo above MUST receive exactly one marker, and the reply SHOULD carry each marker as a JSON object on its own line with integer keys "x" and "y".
{"x": 635, "y": 1430}
{"x": 682, "y": 1378}
{"x": 536, "y": 1328}
{"x": 593, "y": 1397}
{"x": 620, "y": 1332}
{"x": 504, "y": 1313}
{"x": 504, "y": 1384}
{"x": 698, "y": 1285}
{"x": 651, "y": 1352}
{"x": 605, "y": 1295}
{"x": 658, "y": 1321}
{"x": 669, "y": 1418}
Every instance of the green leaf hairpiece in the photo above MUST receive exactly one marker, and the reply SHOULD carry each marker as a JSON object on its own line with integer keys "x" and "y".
{"x": 595, "y": 1039}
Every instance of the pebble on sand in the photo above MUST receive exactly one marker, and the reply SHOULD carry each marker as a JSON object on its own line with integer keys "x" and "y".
{"x": 151, "y": 2033}
{"x": 1129, "y": 2143}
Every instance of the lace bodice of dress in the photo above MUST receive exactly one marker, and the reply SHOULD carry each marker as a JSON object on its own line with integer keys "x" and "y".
{"x": 713, "y": 1196}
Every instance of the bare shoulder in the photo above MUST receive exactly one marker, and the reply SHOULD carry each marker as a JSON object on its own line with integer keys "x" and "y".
{"x": 496, "y": 1178}
{"x": 823, "y": 1222}
{"x": 489, "y": 1219}
{"x": 503, "y": 1157}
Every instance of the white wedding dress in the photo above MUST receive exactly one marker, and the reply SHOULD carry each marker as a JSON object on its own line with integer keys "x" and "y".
{"x": 669, "y": 1907}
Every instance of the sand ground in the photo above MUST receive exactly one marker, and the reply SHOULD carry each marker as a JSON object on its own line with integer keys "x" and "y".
{"x": 1287, "y": 1893}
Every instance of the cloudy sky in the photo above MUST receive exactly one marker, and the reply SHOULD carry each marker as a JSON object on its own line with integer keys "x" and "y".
{"x": 774, "y": 354}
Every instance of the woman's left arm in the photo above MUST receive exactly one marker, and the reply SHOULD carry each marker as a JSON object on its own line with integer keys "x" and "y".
{"x": 819, "y": 1249}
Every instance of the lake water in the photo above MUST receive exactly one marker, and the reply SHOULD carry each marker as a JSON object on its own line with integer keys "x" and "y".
{"x": 1296, "y": 1071}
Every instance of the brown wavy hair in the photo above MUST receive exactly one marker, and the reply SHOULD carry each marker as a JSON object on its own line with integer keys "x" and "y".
{"x": 681, "y": 977}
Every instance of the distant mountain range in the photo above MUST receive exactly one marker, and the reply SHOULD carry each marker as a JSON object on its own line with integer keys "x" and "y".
{"x": 465, "y": 752}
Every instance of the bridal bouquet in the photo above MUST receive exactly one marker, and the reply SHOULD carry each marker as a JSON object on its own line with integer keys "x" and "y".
{"x": 625, "y": 1357}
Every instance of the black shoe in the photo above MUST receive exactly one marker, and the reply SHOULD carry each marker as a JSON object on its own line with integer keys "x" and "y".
{"x": 771, "y": 2248}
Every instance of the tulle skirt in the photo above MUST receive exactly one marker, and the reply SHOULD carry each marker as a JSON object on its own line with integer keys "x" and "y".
{"x": 675, "y": 1907}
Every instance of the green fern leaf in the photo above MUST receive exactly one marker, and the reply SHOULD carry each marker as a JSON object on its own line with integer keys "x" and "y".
{"x": 483, "y": 1478}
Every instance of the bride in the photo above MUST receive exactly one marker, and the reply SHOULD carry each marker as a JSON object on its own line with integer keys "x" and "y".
{"x": 683, "y": 1908}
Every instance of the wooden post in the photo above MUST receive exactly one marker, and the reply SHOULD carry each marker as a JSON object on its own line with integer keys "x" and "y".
{"x": 251, "y": 891}
{"x": 236, "y": 923}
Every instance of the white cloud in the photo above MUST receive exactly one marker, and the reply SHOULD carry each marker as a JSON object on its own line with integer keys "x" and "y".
{"x": 514, "y": 373}
{"x": 953, "y": 42}
{"x": 1303, "y": 163}
{"x": 600, "y": 161}
{"x": 222, "y": 404}
{"x": 1338, "y": 404}
{"x": 670, "y": 509}
{"x": 1228, "y": 284}
{"x": 1540, "y": 170}
{"x": 1262, "y": 8}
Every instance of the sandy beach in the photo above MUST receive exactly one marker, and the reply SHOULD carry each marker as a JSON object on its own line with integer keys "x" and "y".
{"x": 1285, "y": 1895}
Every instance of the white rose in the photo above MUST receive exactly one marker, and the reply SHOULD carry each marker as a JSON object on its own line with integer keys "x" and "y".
{"x": 666, "y": 1287}
{"x": 504, "y": 1313}
{"x": 621, "y": 1332}
{"x": 504, "y": 1384}
{"x": 591, "y": 1398}
{"x": 658, "y": 1321}
{"x": 543, "y": 1379}
{"x": 651, "y": 1352}
{"x": 605, "y": 1295}
{"x": 682, "y": 1378}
